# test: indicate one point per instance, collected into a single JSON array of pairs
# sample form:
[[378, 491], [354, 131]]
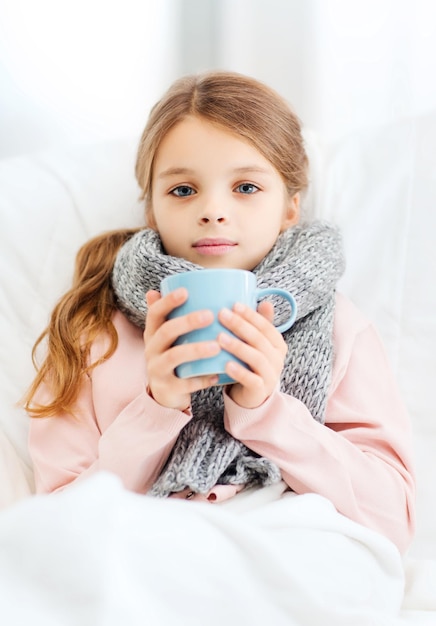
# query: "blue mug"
[[215, 289]]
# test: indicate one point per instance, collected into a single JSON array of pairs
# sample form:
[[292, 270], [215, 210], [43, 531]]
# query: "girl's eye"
[[183, 191], [246, 188]]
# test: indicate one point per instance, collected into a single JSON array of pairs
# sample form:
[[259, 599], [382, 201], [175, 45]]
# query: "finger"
[[165, 335], [196, 383], [243, 376], [266, 309], [152, 296], [174, 392], [160, 307], [186, 353], [251, 327], [261, 321], [260, 362]]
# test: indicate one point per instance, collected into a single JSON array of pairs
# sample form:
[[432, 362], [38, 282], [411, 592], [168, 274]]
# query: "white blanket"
[[96, 554]]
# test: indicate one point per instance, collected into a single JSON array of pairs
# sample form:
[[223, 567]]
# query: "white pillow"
[[380, 187], [49, 205]]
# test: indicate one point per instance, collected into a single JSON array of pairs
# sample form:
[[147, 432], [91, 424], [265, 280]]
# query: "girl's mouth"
[[214, 247]]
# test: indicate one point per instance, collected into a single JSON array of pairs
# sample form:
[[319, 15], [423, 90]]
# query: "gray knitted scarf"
[[306, 260]]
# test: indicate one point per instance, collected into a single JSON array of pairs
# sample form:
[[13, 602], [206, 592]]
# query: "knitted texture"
[[307, 260]]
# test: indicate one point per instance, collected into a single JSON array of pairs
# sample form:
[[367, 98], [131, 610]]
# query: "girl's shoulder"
[[124, 327], [129, 337], [348, 316], [351, 329]]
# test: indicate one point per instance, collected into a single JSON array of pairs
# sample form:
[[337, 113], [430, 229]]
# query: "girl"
[[222, 166]]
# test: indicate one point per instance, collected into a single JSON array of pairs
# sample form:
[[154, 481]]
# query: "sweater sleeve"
[[361, 458], [116, 426]]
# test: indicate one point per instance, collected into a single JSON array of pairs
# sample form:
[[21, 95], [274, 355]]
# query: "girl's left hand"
[[258, 344]]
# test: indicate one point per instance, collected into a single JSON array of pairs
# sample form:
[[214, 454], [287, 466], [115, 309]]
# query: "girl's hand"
[[258, 344], [162, 357]]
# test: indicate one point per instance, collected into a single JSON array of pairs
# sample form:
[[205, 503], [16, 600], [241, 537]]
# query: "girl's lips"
[[214, 247]]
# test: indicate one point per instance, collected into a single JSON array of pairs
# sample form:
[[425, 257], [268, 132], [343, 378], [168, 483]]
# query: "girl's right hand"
[[162, 357]]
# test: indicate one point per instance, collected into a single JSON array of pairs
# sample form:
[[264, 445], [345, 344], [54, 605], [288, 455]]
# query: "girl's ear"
[[292, 212]]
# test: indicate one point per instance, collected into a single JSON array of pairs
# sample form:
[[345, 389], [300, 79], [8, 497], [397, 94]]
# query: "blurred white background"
[[81, 70]]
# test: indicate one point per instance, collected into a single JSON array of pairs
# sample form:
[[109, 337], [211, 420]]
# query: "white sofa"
[[378, 185]]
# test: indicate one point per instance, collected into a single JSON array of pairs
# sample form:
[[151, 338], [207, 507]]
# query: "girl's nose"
[[212, 213], [219, 219]]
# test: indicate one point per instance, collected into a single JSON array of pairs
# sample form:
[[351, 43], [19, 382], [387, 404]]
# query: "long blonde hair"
[[232, 101]]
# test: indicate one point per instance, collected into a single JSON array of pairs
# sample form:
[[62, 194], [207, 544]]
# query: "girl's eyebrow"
[[176, 171], [244, 169]]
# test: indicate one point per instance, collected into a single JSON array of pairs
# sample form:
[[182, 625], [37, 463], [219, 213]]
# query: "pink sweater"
[[360, 460]]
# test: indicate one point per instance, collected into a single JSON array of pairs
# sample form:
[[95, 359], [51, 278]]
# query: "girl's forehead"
[[195, 138], [200, 126]]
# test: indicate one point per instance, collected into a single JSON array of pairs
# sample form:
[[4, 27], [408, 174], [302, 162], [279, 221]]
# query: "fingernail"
[[239, 308], [226, 314], [213, 346], [205, 316], [232, 367], [179, 292], [224, 339]]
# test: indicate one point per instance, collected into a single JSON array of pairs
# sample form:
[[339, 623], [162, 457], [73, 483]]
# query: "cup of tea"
[[215, 289]]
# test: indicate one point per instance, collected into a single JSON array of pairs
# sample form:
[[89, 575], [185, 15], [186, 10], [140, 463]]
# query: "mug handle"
[[274, 291]]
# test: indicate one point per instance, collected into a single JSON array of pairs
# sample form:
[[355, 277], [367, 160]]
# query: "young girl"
[[222, 165]]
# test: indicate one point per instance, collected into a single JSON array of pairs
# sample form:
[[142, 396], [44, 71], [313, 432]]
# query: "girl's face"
[[217, 201]]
